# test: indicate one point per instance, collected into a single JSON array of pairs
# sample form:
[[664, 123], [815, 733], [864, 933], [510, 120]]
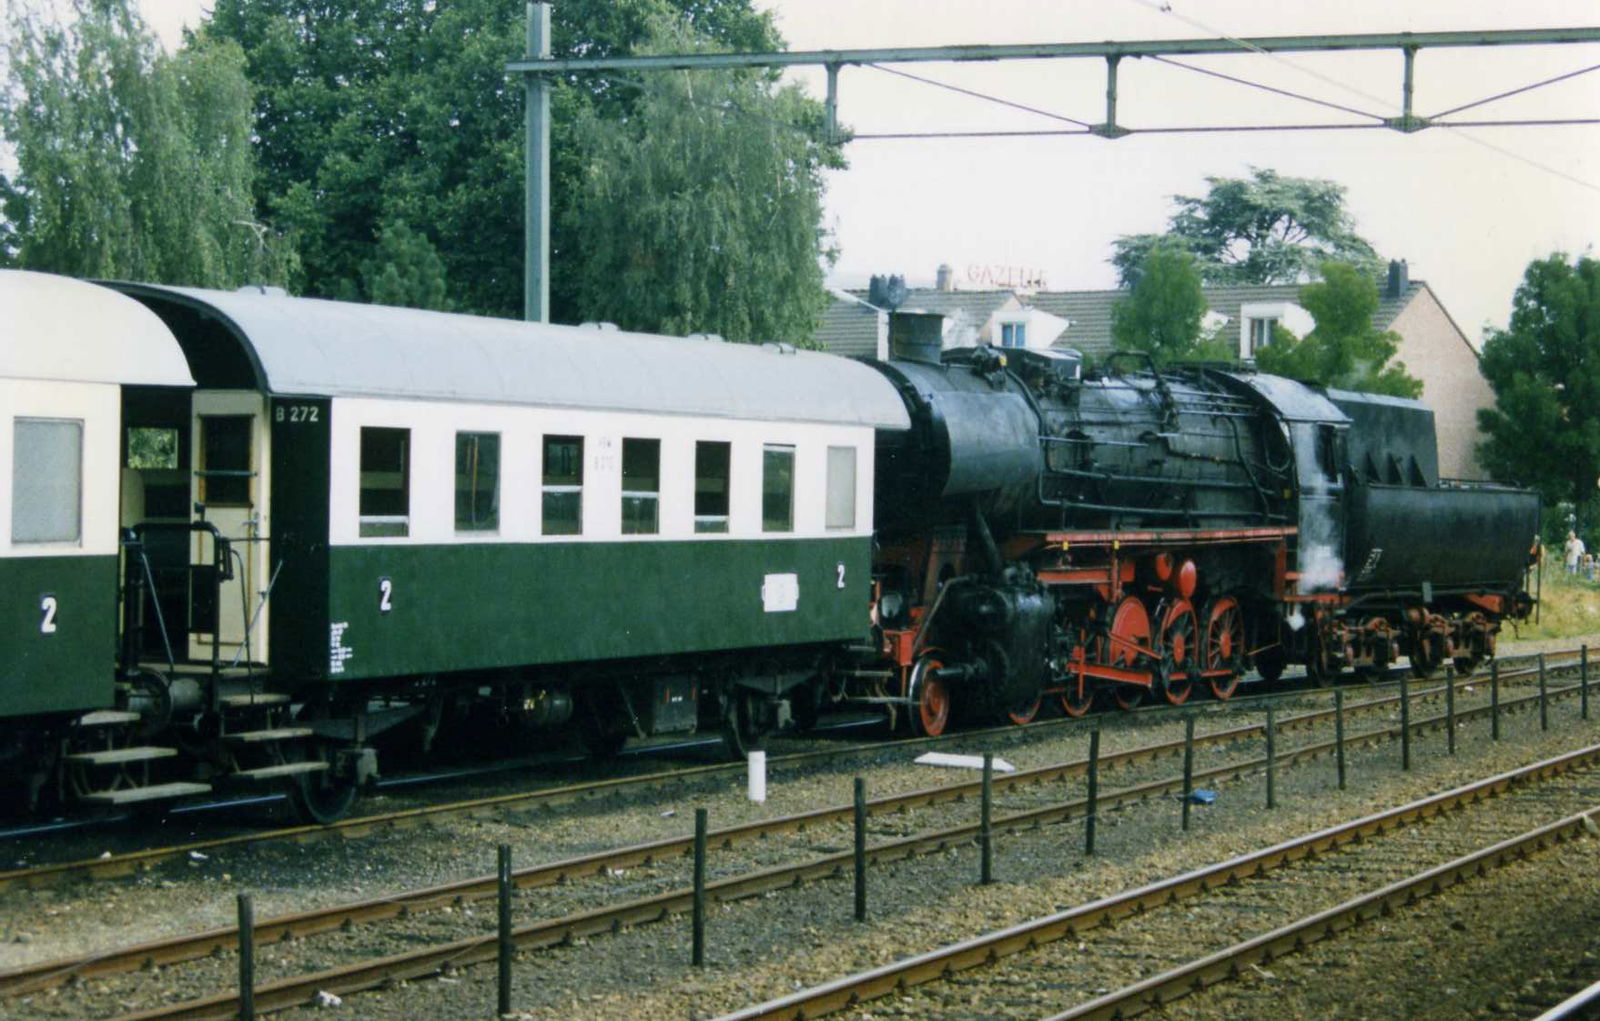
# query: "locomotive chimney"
[[916, 336], [945, 278], [1399, 278]]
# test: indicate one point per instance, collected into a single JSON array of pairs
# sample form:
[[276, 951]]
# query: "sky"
[[1468, 209]]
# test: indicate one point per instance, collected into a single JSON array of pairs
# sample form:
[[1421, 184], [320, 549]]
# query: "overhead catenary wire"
[[997, 100], [1517, 91]]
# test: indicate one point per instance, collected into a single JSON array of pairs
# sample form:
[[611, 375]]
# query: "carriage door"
[[230, 493]]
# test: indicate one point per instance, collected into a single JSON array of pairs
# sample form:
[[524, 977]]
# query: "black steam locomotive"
[[1046, 532]]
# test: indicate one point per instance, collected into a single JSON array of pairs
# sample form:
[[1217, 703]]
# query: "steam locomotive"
[[248, 539]]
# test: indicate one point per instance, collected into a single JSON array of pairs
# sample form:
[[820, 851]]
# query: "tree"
[[370, 111], [1344, 349], [1266, 229], [1544, 430], [701, 210], [131, 163], [1163, 312], [406, 270]]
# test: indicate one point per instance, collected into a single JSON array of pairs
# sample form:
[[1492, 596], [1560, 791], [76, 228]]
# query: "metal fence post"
[[698, 954], [985, 820], [861, 849], [1338, 733], [506, 949], [1494, 700], [1091, 807], [1188, 767], [247, 959], [1450, 714], [1544, 699], [1272, 760], [1405, 723]]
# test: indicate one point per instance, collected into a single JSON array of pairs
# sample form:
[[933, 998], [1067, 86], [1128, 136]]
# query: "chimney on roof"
[[888, 292], [945, 278], [1399, 278]]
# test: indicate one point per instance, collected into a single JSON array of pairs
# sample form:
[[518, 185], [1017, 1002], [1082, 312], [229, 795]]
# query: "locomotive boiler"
[[1047, 530]]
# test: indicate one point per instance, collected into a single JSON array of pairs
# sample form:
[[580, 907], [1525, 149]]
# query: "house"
[[1432, 346]]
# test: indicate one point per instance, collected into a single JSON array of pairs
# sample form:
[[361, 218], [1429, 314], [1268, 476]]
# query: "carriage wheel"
[[1179, 652], [1224, 645], [930, 710]]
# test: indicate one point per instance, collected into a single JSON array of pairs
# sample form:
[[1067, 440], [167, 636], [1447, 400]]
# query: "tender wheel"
[[1178, 652], [1224, 645], [1427, 655], [930, 708]]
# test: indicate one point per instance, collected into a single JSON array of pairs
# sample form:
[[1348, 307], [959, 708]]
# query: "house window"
[[711, 486], [841, 487], [641, 487], [385, 504], [477, 482], [563, 485], [1013, 334], [1261, 333], [777, 489], [47, 480]]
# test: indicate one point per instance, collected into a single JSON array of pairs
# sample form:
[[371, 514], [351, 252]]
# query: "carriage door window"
[[777, 489], [477, 482], [385, 482], [841, 487], [563, 485], [711, 486], [641, 487], [47, 480], [225, 462]]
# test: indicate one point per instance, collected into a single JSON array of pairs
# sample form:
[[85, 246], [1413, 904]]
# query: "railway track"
[[652, 908], [1366, 867], [116, 865]]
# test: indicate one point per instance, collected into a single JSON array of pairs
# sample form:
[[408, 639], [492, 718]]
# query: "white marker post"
[[758, 777]]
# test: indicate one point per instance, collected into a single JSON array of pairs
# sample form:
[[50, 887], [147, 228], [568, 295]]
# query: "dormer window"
[[1261, 332], [1013, 334]]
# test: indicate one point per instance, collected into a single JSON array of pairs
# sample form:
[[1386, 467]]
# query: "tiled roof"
[[1087, 312]]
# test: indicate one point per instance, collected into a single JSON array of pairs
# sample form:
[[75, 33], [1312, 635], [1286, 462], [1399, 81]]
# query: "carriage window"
[[563, 485], [777, 489], [47, 480], [711, 486], [385, 481], [225, 461], [841, 487], [477, 482], [641, 487], [152, 447]]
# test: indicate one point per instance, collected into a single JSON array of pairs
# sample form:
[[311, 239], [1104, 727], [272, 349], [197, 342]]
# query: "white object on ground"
[[758, 776], [962, 761]]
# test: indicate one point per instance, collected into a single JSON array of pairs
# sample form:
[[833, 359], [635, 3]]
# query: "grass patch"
[[1569, 606]]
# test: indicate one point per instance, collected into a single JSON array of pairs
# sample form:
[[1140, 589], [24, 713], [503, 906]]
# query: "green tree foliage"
[[405, 270], [372, 111], [701, 209], [1267, 229], [1162, 314], [130, 163], [1544, 430], [1344, 349]]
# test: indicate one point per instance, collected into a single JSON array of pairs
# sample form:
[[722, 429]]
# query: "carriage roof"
[[58, 328]]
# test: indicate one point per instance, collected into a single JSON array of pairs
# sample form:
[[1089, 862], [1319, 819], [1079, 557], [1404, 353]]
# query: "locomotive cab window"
[[47, 480], [563, 485], [841, 487], [385, 482], [711, 461], [477, 482], [641, 487], [226, 465], [777, 488]]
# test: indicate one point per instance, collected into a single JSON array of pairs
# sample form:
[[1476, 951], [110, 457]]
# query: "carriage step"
[[252, 700], [119, 756], [155, 792], [278, 772], [263, 736], [107, 718]]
